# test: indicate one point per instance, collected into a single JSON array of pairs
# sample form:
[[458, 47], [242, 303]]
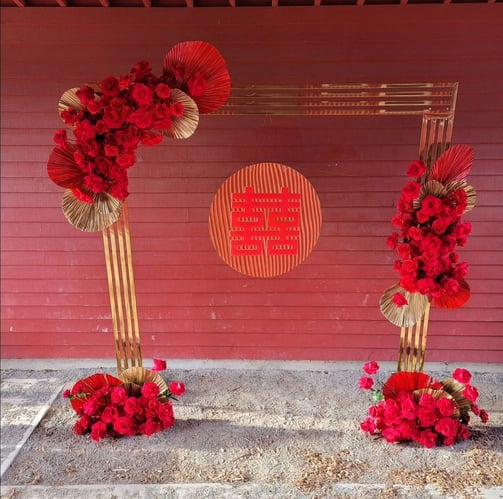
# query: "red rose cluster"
[[429, 229], [425, 412], [113, 411], [113, 119]]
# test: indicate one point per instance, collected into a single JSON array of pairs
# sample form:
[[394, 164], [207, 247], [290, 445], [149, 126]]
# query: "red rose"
[[112, 118], [408, 409], [177, 109], [98, 430], [416, 168], [111, 150], [371, 367], [445, 406], [124, 425], [471, 393], [411, 191], [365, 383], [109, 414], [150, 390], [110, 86], [85, 94], [159, 365], [447, 427], [95, 106], [165, 414], [150, 427], [177, 388], [428, 401], [426, 417], [462, 375], [126, 160], [484, 416], [132, 406], [142, 94], [142, 118], [399, 300], [392, 240], [368, 426], [84, 131], [150, 138], [428, 439], [82, 425], [163, 91], [118, 395], [392, 435]]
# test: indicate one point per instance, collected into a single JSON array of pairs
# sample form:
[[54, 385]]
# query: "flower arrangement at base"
[[414, 407], [138, 402]]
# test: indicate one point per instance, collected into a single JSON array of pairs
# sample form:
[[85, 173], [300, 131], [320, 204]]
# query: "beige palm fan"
[[430, 187], [104, 211], [69, 99], [135, 377], [456, 389], [471, 194], [184, 126], [191, 60], [406, 315]]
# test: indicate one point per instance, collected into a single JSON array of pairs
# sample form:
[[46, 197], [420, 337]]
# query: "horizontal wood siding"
[[192, 305]]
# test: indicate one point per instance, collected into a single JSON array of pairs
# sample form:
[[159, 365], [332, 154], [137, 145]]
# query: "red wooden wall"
[[191, 305]]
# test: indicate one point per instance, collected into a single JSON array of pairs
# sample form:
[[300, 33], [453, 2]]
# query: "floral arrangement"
[[136, 403], [111, 119], [413, 406], [429, 228]]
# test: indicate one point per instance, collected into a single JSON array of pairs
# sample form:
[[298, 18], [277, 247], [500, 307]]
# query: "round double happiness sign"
[[265, 220]]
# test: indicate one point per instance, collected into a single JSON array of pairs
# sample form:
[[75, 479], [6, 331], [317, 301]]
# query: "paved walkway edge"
[[183, 490], [34, 423]]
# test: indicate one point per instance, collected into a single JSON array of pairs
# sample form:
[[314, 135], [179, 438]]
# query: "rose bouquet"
[[112, 118], [136, 403], [413, 406], [428, 230]]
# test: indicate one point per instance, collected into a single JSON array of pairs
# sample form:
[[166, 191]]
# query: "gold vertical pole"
[[119, 263]]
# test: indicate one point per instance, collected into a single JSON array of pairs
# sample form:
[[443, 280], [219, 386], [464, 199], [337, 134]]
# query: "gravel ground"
[[244, 433]]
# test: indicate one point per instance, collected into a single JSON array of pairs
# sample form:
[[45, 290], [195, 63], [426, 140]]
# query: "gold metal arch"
[[435, 102]]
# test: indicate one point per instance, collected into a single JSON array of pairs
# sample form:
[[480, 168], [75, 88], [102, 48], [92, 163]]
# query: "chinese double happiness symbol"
[[265, 220]]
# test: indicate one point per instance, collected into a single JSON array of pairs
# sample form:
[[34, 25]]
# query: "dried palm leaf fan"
[[454, 301], [454, 164], [190, 60], [62, 168], [471, 194], [84, 388], [430, 187], [69, 99], [104, 211], [135, 377], [406, 315], [456, 389], [408, 381], [184, 126]]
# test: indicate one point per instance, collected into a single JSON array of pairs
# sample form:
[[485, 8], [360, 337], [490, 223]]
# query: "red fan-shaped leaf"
[[198, 69], [408, 381], [454, 301], [62, 168], [453, 164], [85, 387]]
